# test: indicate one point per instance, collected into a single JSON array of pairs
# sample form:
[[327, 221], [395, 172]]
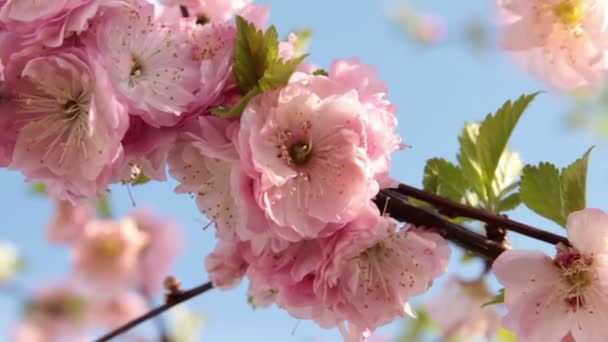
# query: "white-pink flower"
[[163, 243], [562, 41], [117, 310], [51, 22], [107, 257], [225, 265], [209, 10], [68, 221], [64, 120], [151, 64], [459, 310], [548, 299], [307, 156]]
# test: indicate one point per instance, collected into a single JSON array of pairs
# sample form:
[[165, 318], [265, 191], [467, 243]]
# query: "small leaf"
[[469, 162], [303, 40], [498, 299], [495, 131], [253, 52], [540, 190], [278, 73], [238, 108], [574, 184], [38, 189], [320, 72], [509, 203], [444, 179]]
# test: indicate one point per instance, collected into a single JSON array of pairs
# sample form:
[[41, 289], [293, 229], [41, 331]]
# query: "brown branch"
[[398, 208], [172, 300], [455, 209]]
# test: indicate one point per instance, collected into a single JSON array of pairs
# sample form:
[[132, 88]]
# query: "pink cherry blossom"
[[67, 122], [209, 10], [115, 311], [158, 255], [59, 312], [51, 22], [225, 265], [308, 159], [459, 310], [146, 149], [372, 269], [108, 254], [547, 299], [561, 41], [150, 64], [204, 162], [68, 221]]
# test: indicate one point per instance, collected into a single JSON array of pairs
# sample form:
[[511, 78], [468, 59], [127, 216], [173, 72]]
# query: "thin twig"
[[455, 209], [172, 301]]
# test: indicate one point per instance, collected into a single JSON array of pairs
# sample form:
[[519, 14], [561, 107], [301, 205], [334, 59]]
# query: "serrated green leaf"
[[540, 190], [278, 73], [254, 51], [238, 108], [498, 299], [469, 162], [444, 179], [508, 170], [320, 72], [303, 40], [508, 203], [495, 131], [574, 184]]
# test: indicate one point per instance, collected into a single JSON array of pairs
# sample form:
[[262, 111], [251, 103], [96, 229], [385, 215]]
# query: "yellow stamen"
[[569, 12]]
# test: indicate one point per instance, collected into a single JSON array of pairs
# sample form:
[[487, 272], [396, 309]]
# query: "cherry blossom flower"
[[225, 265], [150, 64], [308, 159], [204, 161], [67, 122], [209, 10], [115, 311], [562, 41], [372, 269], [159, 253], [108, 254], [547, 299], [459, 310], [51, 22], [68, 221]]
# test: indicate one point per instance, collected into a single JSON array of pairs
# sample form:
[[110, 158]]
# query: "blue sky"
[[436, 90]]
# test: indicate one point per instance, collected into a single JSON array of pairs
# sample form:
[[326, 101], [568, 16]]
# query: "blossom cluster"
[[564, 42], [97, 92], [117, 267]]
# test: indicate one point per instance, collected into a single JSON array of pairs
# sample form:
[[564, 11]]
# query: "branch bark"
[[455, 209]]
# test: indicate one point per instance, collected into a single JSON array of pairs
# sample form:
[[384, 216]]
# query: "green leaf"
[[278, 73], [320, 72], [498, 299], [540, 190], [469, 162], [494, 134], [509, 203], [303, 40], [444, 179], [103, 207], [238, 108], [508, 170], [38, 189], [574, 184], [416, 327], [254, 51]]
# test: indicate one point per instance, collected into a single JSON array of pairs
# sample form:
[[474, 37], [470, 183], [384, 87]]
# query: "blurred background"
[[443, 69]]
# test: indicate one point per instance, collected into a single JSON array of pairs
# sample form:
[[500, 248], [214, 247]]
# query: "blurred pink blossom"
[[68, 221]]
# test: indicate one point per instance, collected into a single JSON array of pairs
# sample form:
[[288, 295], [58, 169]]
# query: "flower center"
[[108, 248], [201, 19], [71, 109], [578, 274], [137, 67], [569, 12], [300, 152]]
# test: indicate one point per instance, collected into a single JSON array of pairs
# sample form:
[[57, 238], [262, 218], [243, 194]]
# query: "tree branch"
[[455, 209], [172, 300], [398, 208]]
